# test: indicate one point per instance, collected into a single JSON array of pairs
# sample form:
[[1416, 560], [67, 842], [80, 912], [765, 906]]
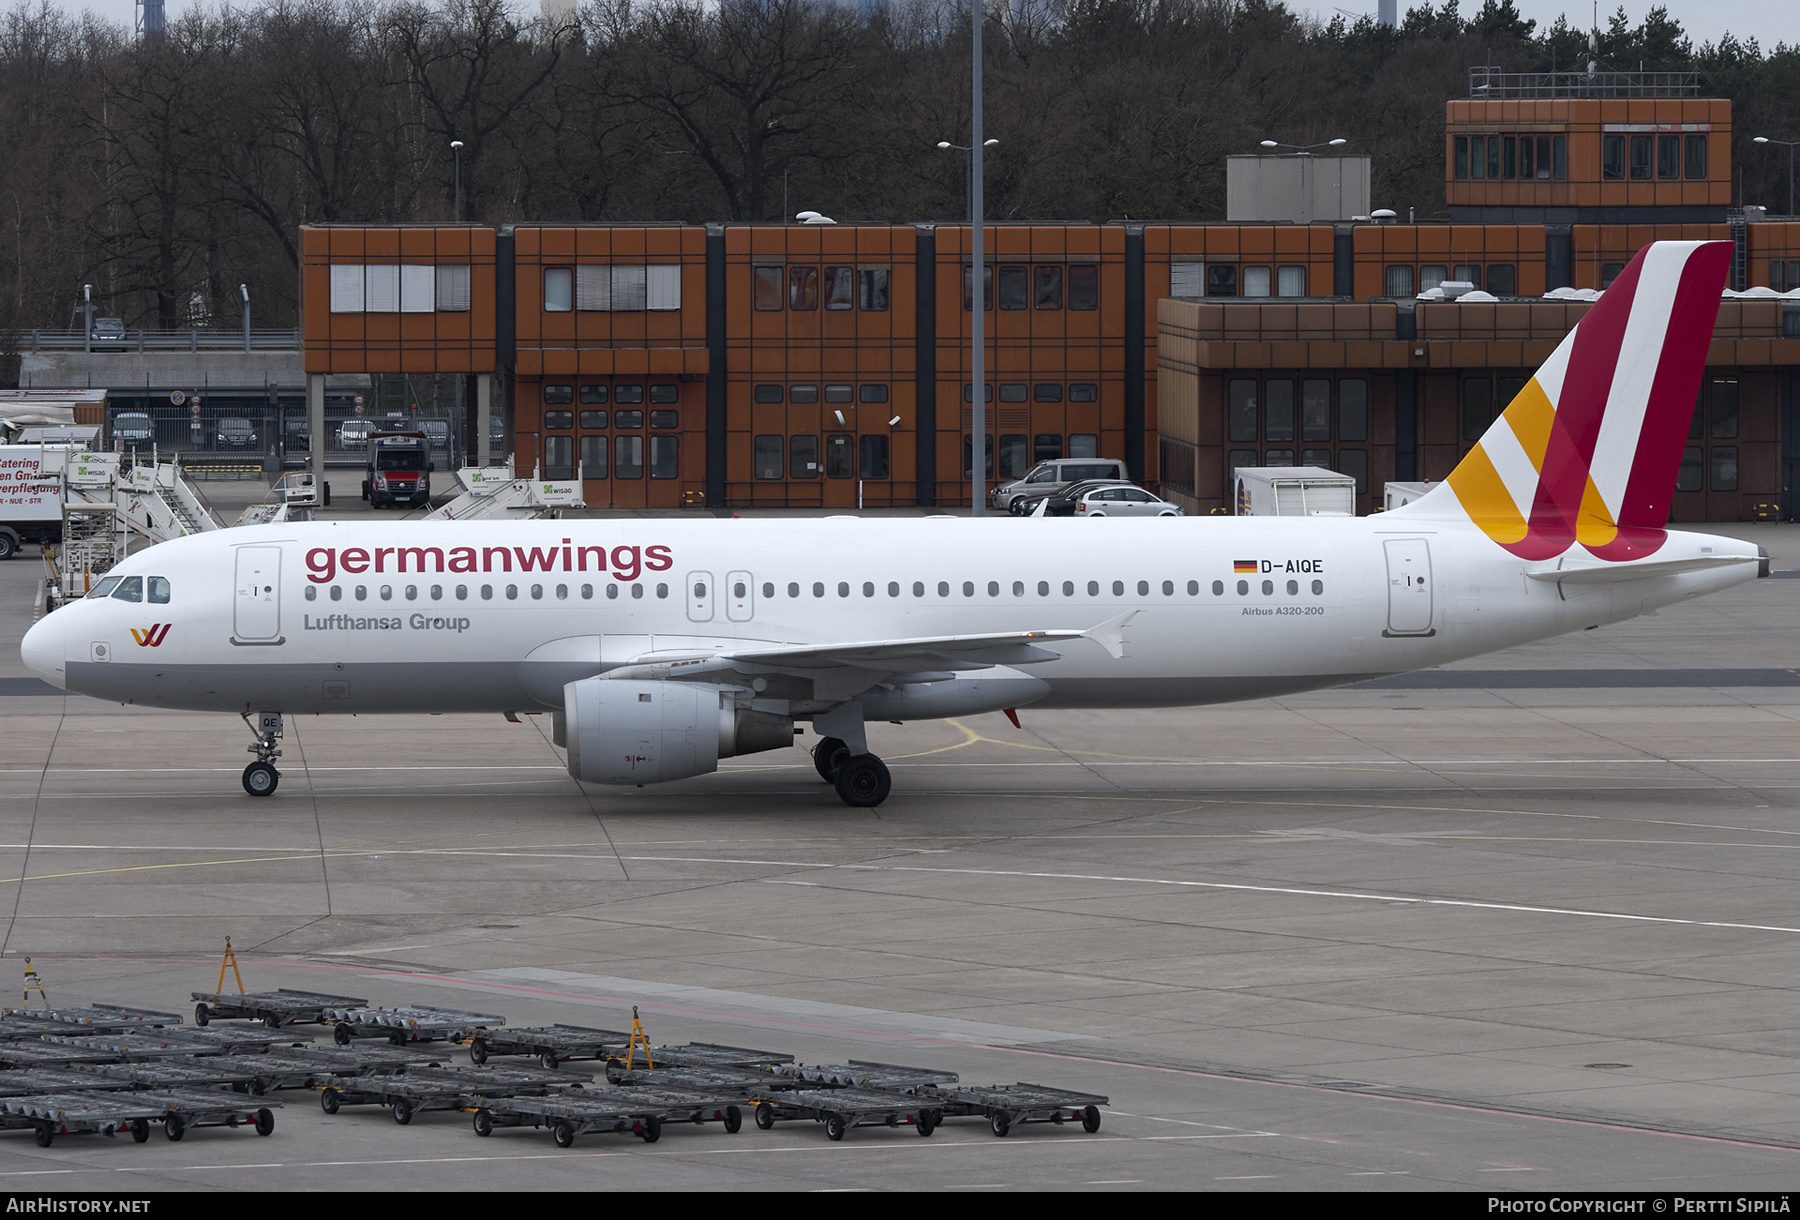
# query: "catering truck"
[[30, 503]]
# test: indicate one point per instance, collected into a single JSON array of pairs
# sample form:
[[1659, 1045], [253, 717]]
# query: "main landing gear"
[[862, 780], [261, 777]]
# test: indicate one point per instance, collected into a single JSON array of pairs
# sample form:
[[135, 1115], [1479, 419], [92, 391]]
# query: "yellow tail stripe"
[[1482, 492], [1594, 525], [1530, 416]]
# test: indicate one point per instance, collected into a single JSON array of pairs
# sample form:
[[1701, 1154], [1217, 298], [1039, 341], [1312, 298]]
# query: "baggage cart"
[[185, 1109], [549, 1044], [408, 1023], [107, 1017], [710, 1054], [76, 1113], [273, 1008], [640, 1111], [843, 1108], [1006, 1106], [442, 1089], [865, 1074]]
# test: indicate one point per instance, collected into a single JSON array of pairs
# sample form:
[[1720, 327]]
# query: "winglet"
[[1110, 635]]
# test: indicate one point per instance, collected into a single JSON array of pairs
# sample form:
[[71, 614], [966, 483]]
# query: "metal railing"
[[1493, 82], [191, 339]]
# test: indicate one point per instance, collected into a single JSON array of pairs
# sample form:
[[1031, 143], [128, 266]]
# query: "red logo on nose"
[[152, 637]]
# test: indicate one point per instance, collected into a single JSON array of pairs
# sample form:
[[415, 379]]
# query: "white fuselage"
[[339, 617]]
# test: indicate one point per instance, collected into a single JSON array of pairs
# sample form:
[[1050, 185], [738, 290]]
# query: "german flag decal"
[[1244, 565]]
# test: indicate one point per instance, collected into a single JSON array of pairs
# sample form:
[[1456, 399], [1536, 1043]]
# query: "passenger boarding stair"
[[492, 493]]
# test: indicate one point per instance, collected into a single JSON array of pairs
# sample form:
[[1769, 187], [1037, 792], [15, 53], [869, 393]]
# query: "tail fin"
[[1589, 450]]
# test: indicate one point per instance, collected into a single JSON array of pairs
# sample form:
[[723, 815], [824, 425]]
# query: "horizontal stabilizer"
[[1612, 573]]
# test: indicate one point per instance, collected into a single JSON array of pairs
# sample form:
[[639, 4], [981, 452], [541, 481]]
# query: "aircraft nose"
[[42, 650]]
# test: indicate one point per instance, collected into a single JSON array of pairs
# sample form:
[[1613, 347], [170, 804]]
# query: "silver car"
[[1020, 496], [1111, 500]]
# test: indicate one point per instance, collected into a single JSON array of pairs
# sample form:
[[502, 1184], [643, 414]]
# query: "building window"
[[559, 419], [593, 287], [1526, 160], [1696, 156], [593, 457], [1692, 473], [1084, 286], [559, 289], [662, 288], [767, 393], [766, 285], [969, 392], [1047, 391], [1467, 273], [1668, 156], [803, 393], [1083, 391], [1046, 283], [1278, 410], [1353, 410], [840, 393], [1399, 281], [1610, 272], [1240, 411], [840, 287], [1501, 279], [453, 287], [1724, 411], [1724, 468], [839, 456], [1431, 275], [1290, 282], [1256, 281], [1187, 279], [1478, 156], [766, 457], [1462, 157], [593, 419], [1012, 391], [872, 291], [872, 392], [628, 457], [1014, 288], [594, 394], [1355, 463], [987, 456], [1509, 157], [1221, 280], [1084, 445], [1315, 410], [1477, 407], [1560, 155], [628, 393], [665, 392], [987, 288], [1612, 158], [557, 395], [803, 288], [559, 457], [1046, 447], [803, 457], [628, 419], [665, 457], [1012, 456], [1640, 158], [665, 419], [872, 456]]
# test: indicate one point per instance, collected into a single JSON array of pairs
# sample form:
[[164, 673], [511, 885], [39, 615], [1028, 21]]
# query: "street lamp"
[[977, 297], [1304, 150], [244, 291], [968, 162], [1789, 144], [456, 147], [87, 313]]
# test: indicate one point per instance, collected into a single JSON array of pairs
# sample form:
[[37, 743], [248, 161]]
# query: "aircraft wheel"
[[828, 758], [863, 781], [260, 779]]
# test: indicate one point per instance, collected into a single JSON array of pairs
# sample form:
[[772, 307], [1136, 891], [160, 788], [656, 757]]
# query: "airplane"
[[660, 647]]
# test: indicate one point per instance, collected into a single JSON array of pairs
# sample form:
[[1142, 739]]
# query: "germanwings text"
[[323, 563]]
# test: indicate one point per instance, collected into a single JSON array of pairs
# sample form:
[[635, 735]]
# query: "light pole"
[[87, 314], [1790, 147], [456, 147], [968, 163], [977, 285], [244, 291], [1304, 150]]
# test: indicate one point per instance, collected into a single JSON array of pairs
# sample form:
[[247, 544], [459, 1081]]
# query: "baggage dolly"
[[273, 1008], [843, 1108], [574, 1113], [186, 1109], [76, 1113], [549, 1044], [442, 1089], [705, 1055], [865, 1074], [307, 1067], [1005, 1106], [408, 1023], [208, 1073], [107, 1017]]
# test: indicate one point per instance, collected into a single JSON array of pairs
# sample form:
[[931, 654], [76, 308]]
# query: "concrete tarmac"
[[1526, 922]]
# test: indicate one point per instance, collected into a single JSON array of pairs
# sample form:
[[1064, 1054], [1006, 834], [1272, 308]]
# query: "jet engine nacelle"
[[620, 731]]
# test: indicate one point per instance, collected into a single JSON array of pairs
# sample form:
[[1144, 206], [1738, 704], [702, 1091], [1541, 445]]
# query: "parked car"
[[108, 330], [1109, 499], [235, 432], [1021, 495], [437, 431], [133, 428], [298, 440], [354, 433]]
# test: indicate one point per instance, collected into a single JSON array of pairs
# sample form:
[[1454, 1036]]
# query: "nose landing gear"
[[261, 777]]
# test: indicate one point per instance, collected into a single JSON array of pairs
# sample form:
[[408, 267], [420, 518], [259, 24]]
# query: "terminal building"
[[827, 366]]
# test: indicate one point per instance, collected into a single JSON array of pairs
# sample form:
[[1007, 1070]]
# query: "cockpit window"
[[131, 589], [159, 589], [105, 587]]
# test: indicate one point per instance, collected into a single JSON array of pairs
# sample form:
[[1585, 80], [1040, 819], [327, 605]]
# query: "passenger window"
[[1118, 588], [131, 590], [968, 588]]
